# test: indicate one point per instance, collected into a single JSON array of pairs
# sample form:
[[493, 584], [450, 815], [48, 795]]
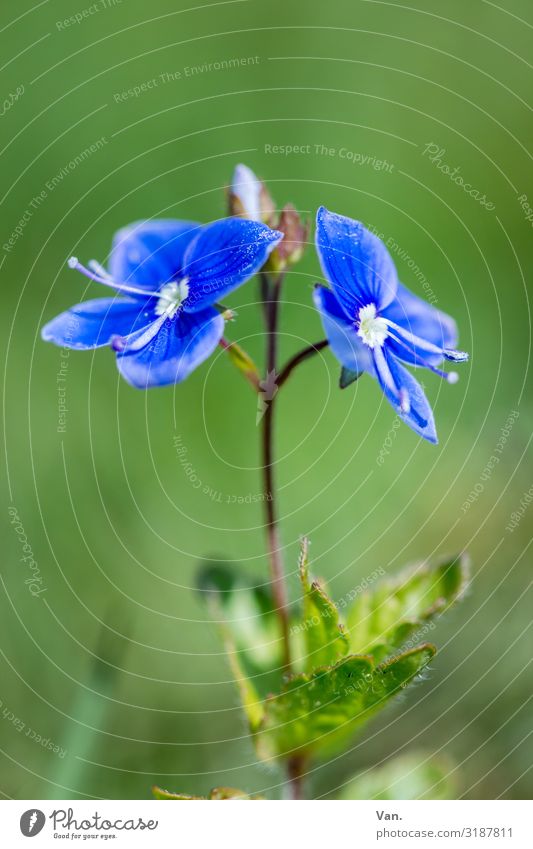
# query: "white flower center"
[[372, 329], [171, 297]]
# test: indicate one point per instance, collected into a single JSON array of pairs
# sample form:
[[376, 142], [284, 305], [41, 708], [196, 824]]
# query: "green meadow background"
[[112, 677]]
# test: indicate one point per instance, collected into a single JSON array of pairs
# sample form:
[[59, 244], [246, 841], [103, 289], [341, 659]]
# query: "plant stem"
[[273, 541], [299, 358], [271, 293], [270, 501], [264, 292], [295, 774]]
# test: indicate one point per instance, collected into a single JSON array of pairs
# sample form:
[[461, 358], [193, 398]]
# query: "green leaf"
[[320, 710], [395, 614], [229, 793], [248, 611], [414, 776], [220, 586], [324, 639], [348, 377], [251, 702], [159, 793], [216, 578], [218, 793]]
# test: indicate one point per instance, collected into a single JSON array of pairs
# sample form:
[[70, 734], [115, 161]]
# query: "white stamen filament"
[[424, 345], [452, 376], [107, 280], [122, 345], [99, 269]]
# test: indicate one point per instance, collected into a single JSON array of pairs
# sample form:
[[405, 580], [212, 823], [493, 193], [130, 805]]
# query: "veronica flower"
[[372, 322], [167, 276]]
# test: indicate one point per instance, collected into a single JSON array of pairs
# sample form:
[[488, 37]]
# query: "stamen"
[[139, 338], [451, 377], [448, 353], [75, 264], [108, 281], [455, 356], [99, 269]]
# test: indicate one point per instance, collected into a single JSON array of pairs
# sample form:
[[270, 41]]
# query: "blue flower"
[[170, 274], [372, 321]]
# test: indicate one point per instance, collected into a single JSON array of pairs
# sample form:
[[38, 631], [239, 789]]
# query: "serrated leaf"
[[393, 614], [218, 793], [320, 710], [347, 377], [324, 639], [414, 776], [159, 793]]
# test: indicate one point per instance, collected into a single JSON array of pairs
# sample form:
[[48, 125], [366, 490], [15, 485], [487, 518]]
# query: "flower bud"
[[295, 235], [248, 196]]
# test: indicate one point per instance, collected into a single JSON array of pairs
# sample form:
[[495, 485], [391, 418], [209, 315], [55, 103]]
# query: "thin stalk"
[[295, 775], [279, 590], [264, 294], [271, 293], [299, 358], [272, 534]]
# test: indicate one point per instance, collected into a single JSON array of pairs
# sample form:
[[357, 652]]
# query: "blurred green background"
[[115, 663]]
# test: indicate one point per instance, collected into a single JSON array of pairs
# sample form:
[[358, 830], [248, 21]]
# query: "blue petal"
[[223, 256], [150, 253], [181, 344], [420, 319], [94, 323], [420, 416], [342, 336], [356, 263]]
